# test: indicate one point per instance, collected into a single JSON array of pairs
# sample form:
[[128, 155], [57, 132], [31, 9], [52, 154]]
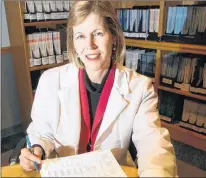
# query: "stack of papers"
[[93, 164]]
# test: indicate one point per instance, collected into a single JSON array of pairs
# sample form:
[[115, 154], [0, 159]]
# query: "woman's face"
[[93, 42]]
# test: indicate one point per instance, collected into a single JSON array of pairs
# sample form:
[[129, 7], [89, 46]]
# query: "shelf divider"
[[53, 22], [47, 66], [169, 46], [180, 92]]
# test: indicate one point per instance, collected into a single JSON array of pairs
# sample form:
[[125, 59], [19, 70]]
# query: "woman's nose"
[[90, 43]]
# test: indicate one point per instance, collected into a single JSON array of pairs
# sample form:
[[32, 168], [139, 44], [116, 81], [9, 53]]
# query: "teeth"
[[93, 56]]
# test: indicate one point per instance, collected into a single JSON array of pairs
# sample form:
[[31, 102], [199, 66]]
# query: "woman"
[[96, 103]]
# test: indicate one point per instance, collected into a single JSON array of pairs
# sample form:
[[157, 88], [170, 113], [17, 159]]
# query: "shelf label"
[[26, 16], [31, 62], [51, 59], [193, 89], [45, 60], [37, 62], [135, 35], [65, 56], [40, 16], [200, 120], [47, 16], [33, 17], [201, 90], [168, 81], [185, 87], [203, 130], [177, 85], [59, 58], [165, 118]]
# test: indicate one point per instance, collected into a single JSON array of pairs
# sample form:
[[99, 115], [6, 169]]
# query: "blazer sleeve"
[[155, 153], [45, 112]]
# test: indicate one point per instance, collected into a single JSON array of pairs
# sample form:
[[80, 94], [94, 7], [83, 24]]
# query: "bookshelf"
[[177, 133], [20, 53], [22, 69], [53, 22]]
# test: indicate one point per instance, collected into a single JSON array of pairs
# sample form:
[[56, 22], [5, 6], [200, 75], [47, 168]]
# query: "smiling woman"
[[93, 43], [95, 103]]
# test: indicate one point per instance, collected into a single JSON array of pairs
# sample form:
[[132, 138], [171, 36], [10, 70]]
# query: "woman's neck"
[[97, 76]]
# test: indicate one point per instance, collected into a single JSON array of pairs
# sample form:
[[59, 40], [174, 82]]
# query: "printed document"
[[92, 164]]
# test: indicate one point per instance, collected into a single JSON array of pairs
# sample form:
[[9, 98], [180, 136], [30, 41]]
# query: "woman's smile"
[[92, 57]]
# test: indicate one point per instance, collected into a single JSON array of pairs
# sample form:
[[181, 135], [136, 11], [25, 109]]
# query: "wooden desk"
[[17, 171]]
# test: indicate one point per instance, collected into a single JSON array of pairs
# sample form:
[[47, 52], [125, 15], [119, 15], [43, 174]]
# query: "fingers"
[[27, 159], [38, 153], [26, 164]]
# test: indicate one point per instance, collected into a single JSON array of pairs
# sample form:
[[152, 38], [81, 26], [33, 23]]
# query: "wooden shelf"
[[186, 136], [47, 66], [169, 46], [53, 22], [180, 92]]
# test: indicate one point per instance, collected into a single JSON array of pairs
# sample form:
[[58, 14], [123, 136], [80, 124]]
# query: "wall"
[[5, 35], [10, 114]]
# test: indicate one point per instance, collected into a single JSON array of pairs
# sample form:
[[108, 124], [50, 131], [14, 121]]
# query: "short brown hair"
[[79, 11]]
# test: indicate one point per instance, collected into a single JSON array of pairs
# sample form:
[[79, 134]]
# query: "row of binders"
[[184, 71], [45, 48], [170, 107], [46, 10], [187, 113], [139, 22], [141, 60], [194, 116], [186, 20]]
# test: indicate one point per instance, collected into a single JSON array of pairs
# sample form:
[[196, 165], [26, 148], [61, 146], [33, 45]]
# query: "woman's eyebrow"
[[97, 30], [91, 32], [77, 33]]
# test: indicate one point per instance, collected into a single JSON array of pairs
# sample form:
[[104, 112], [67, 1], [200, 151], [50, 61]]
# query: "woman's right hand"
[[27, 159]]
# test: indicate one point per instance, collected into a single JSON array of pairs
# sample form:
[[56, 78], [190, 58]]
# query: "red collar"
[[86, 131]]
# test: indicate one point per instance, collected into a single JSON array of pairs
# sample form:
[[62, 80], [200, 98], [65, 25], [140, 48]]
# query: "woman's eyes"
[[80, 37], [96, 34]]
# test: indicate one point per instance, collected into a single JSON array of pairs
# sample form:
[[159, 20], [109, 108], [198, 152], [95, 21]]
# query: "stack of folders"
[[139, 23], [46, 10], [45, 48], [186, 22], [170, 107], [185, 72], [194, 116], [141, 61]]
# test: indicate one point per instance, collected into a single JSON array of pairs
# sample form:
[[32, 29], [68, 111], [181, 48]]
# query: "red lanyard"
[[86, 131]]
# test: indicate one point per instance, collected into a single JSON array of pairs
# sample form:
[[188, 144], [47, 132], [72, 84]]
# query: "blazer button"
[[89, 146]]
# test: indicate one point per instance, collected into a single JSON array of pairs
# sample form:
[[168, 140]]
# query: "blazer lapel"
[[116, 104], [70, 123]]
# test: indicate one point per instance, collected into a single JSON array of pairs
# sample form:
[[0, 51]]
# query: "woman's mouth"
[[93, 56]]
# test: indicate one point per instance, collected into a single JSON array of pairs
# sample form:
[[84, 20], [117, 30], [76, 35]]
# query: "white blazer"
[[131, 111]]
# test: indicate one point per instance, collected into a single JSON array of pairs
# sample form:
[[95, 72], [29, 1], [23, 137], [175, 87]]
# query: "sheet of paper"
[[93, 164]]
